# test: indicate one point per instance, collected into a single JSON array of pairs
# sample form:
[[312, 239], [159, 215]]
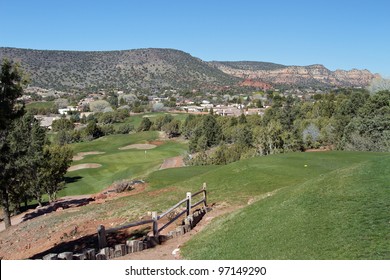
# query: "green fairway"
[[40, 105], [335, 208], [117, 164]]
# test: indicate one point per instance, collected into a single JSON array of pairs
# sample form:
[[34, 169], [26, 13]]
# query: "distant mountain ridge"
[[248, 65], [158, 68], [312, 75], [140, 68]]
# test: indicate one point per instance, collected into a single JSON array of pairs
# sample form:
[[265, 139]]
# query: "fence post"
[[189, 203], [204, 194], [102, 240], [155, 224]]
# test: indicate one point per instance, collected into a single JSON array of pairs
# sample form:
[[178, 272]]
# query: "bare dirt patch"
[[156, 142], [106, 194], [173, 162], [81, 155], [35, 233], [84, 166], [139, 147], [320, 149]]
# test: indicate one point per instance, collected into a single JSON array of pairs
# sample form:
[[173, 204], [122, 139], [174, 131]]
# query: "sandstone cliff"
[[313, 75]]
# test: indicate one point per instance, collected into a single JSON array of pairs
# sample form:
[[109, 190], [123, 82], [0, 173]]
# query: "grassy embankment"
[[336, 208]]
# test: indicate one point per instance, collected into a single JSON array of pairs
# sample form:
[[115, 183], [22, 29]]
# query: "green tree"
[[172, 129], [145, 125], [62, 124], [11, 87], [92, 131], [26, 141], [161, 121], [220, 155], [113, 100], [190, 123], [56, 161], [100, 106], [63, 137], [243, 135], [242, 119], [202, 143], [211, 129], [369, 130], [268, 139], [259, 104], [124, 128]]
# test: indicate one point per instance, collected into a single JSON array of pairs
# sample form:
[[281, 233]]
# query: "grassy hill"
[[335, 208]]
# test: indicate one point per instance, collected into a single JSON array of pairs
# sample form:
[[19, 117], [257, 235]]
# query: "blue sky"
[[338, 34]]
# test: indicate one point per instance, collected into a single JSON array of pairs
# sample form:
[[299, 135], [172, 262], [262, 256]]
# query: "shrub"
[[124, 128], [122, 186]]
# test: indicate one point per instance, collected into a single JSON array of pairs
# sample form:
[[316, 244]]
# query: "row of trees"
[[95, 126], [164, 123], [29, 165], [346, 120]]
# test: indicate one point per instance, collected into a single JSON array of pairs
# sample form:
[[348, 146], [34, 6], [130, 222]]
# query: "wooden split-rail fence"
[[188, 201]]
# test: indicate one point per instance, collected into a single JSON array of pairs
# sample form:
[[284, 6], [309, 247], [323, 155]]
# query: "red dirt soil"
[[173, 162]]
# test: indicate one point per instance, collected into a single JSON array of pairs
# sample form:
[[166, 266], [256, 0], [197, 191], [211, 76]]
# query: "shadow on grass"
[[73, 179], [54, 206]]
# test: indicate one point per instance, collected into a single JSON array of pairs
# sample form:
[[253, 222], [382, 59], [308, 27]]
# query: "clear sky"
[[338, 34]]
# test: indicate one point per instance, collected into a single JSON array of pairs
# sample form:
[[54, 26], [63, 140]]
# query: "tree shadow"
[[74, 179], [56, 205]]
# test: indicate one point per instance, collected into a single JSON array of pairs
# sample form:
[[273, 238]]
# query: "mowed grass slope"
[[238, 182], [335, 208], [117, 164]]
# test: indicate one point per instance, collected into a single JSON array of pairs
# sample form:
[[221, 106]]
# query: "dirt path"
[[170, 250], [173, 162]]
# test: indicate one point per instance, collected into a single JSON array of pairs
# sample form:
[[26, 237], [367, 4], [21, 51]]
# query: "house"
[[65, 111], [193, 109], [46, 121]]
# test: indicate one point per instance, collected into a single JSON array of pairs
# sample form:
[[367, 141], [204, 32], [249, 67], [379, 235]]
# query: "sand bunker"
[[139, 147], [84, 166], [81, 155]]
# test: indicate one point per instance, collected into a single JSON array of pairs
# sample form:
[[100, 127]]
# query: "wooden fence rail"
[[102, 232]]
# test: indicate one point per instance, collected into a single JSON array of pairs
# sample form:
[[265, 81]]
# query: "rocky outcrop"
[[256, 84], [313, 75]]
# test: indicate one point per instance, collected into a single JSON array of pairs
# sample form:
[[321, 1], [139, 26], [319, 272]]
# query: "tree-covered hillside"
[[141, 68]]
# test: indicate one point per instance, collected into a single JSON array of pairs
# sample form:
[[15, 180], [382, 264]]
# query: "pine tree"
[[10, 89]]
